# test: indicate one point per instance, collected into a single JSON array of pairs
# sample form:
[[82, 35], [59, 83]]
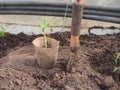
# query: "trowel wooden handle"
[[79, 1], [74, 41], [77, 13]]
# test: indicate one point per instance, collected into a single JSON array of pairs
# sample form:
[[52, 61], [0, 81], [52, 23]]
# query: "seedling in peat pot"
[[2, 32], [45, 44], [43, 27], [117, 62]]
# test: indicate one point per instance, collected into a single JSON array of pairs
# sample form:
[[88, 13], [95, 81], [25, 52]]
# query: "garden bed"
[[92, 71]]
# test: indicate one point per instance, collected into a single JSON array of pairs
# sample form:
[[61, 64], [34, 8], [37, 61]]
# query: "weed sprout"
[[2, 32], [117, 62]]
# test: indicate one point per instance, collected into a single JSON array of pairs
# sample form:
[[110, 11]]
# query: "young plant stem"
[[45, 38]]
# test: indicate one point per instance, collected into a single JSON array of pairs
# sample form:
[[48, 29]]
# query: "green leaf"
[[2, 32], [117, 57], [44, 25]]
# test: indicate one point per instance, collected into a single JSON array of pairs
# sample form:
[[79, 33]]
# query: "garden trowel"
[[77, 13]]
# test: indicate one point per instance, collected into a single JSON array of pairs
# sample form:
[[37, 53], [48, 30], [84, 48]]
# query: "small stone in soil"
[[108, 81]]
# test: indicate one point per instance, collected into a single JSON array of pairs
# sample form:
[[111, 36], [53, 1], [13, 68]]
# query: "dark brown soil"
[[10, 41], [93, 69]]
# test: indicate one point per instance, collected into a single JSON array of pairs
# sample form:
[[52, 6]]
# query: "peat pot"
[[46, 57]]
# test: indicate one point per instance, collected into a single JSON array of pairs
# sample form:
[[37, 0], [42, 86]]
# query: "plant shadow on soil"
[[92, 70]]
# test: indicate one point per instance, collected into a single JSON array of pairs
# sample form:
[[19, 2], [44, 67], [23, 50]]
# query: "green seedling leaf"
[[2, 32], [44, 25], [115, 69], [117, 58]]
